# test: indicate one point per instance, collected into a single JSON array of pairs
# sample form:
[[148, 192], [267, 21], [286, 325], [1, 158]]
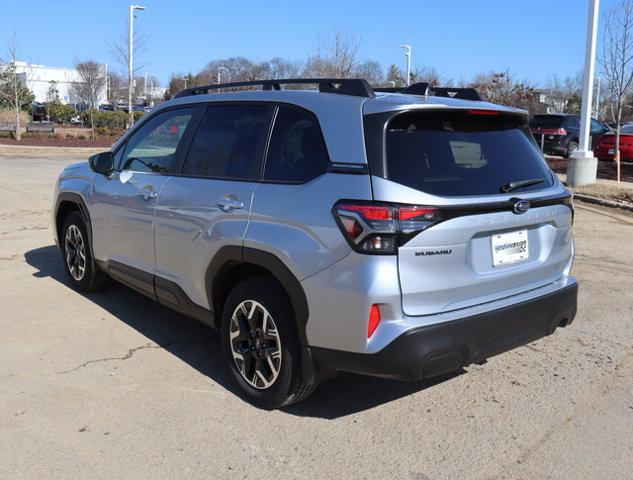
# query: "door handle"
[[227, 204], [147, 194]]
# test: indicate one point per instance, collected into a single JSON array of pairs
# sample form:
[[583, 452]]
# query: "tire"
[[571, 146], [83, 272], [264, 343]]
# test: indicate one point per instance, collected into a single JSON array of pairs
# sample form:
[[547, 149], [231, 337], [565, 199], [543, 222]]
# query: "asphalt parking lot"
[[111, 385]]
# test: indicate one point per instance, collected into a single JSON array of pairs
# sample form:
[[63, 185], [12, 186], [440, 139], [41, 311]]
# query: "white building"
[[38, 79]]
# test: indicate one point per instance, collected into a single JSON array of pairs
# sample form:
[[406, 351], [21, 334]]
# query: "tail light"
[[379, 228], [549, 131]]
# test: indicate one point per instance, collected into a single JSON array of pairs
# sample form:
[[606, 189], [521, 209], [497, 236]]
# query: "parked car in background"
[[39, 111], [558, 134], [106, 107], [605, 150]]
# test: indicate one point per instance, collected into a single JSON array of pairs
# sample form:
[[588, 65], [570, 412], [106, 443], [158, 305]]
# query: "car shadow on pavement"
[[199, 346]]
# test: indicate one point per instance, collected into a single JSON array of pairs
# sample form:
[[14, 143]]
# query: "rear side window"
[[229, 142], [459, 154], [297, 151]]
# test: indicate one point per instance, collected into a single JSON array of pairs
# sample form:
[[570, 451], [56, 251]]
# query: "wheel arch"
[[232, 264], [66, 203]]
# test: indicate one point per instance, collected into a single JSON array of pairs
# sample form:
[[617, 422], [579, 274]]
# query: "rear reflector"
[[374, 320]]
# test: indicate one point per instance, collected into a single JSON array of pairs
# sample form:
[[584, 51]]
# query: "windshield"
[[459, 154]]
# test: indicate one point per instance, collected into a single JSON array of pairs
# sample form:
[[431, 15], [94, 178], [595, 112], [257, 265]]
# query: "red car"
[[606, 145]]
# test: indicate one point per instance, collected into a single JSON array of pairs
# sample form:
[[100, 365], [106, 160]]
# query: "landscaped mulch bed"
[[45, 141], [606, 170], [606, 192]]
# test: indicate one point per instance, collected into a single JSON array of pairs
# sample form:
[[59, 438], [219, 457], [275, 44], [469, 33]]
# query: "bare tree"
[[13, 90], [91, 84], [335, 57], [429, 75], [371, 71], [280, 68], [564, 95], [617, 63], [90, 87], [120, 52], [119, 49], [501, 87]]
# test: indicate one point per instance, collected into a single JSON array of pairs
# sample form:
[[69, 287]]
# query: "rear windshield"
[[546, 121], [457, 154]]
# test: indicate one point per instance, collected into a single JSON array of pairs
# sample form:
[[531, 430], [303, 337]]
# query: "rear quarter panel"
[[295, 222]]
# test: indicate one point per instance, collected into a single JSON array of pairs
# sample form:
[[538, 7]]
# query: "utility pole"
[[130, 62], [407, 54], [583, 166]]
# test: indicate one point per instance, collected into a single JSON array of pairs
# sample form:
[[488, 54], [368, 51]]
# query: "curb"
[[37, 151], [604, 203]]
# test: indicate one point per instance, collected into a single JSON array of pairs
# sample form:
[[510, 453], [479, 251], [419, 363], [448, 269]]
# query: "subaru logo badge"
[[521, 206]]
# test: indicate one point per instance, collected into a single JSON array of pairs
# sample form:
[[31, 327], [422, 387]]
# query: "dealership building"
[[38, 79]]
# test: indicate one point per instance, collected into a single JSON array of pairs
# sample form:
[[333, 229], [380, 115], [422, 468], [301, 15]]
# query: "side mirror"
[[102, 163]]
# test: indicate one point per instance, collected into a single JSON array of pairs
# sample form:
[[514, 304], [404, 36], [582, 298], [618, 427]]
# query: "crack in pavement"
[[130, 353]]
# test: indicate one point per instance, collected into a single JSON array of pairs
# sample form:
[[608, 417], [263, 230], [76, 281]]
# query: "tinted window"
[[573, 122], [547, 121], [229, 142], [596, 126], [153, 147], [455, 154], [297, 151]]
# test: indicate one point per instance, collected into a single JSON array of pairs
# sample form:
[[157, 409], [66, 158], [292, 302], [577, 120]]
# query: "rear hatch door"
[[491, 239]]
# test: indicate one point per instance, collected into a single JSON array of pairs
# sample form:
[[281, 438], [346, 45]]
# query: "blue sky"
[[531, 38]]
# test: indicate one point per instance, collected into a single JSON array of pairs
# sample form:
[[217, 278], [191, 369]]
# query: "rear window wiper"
[[509, 187]]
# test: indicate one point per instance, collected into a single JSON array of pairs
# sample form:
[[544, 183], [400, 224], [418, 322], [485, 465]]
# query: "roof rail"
[[423, 88], [357, 87]]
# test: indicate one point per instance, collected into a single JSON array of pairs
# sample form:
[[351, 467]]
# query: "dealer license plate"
[[510, 247]]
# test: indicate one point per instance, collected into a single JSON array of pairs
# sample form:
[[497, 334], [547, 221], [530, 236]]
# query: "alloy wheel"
[[255, 344], [75, 248]]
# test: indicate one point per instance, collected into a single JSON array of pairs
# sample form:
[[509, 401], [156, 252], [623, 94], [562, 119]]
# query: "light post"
[[219, 76], [583, 165], [130, 62], [407, 54], [598, 99]]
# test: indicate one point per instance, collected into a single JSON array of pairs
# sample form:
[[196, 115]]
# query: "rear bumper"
[[432, 350]]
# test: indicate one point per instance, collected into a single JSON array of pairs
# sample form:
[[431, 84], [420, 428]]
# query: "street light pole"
[[219, 76], [408, 55], [583, 165], [598, 98], [130, 62]]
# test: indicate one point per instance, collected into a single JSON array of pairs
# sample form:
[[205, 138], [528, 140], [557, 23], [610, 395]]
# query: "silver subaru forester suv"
[[396, 233]]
